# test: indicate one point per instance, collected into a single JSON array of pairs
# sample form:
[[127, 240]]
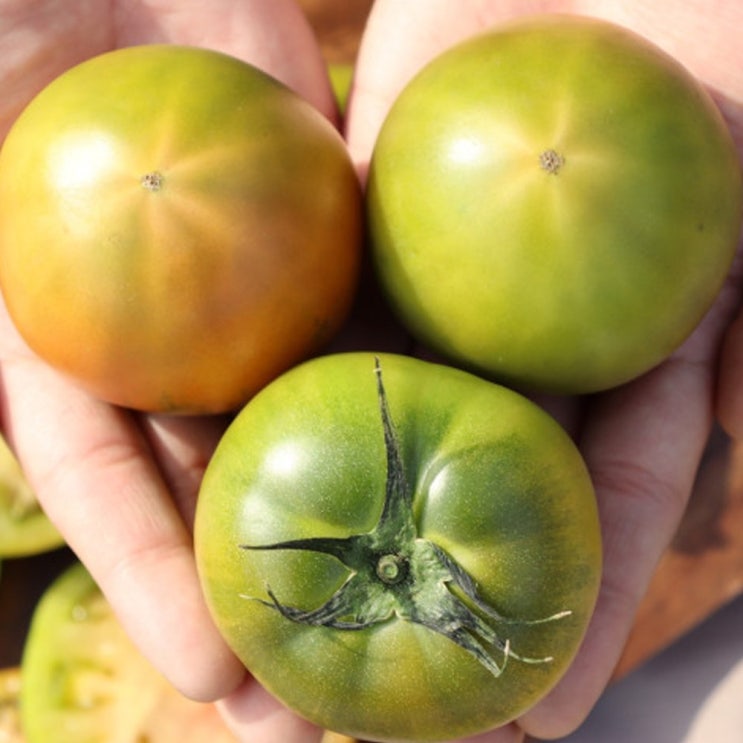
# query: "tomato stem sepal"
[[393, 572]]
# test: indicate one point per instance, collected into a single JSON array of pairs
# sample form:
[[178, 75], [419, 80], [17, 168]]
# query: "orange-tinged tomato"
[[176, 227]]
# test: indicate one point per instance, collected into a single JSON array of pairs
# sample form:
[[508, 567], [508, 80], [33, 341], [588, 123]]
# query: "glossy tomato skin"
[[495, 482], [555, 203], [177, 227]]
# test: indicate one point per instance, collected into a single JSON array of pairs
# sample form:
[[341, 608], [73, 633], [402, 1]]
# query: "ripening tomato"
[[176, 227], [398, 550], [554, 203]]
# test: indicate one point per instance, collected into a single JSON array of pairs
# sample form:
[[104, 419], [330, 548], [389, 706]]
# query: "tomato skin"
[[176, 227], [574, 279], [341, 80], [24, 527], [497, 485], [84, 680]]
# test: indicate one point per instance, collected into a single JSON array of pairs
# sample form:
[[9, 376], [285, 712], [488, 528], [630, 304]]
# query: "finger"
[[182, 447], [275, 36], [729, 393], [643, 444], [510, 733], [41, 39], [730, 389], [94, 476], [399, 39], [397, 42], [256, 716]]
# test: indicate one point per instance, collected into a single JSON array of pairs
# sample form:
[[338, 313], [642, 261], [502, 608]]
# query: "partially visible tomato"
[[555, 203], [176, 227], [399, 551], [341, 78], [24, 527], [83, 679]]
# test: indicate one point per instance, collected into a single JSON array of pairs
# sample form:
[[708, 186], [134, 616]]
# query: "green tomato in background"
[[398, 550], [24, 527], [341, 78], [85, 682], [555, 203]]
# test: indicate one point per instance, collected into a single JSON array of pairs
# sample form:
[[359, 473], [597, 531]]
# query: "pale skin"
[[122, 487]]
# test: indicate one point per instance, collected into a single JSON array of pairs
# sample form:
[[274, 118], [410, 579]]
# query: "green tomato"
[[341, 77], [398, 550], [84, 681], [24, 527], [555, 203]]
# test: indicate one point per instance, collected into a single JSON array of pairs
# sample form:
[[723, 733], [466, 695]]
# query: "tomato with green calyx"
[[83, 680], [554, 203], [24, 527], [176, 227], [396, 549]]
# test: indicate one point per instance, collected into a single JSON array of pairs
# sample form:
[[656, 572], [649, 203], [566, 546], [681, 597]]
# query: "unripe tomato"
[[84, 680], [176, 227], [24, 527], [554, 203], [398, 550]]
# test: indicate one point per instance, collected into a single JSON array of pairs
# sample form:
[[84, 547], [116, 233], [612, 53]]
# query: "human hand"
[[643, 441], [121, 486]]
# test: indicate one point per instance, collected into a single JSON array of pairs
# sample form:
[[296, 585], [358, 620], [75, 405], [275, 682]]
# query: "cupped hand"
[[643, 442], [121, 486]]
